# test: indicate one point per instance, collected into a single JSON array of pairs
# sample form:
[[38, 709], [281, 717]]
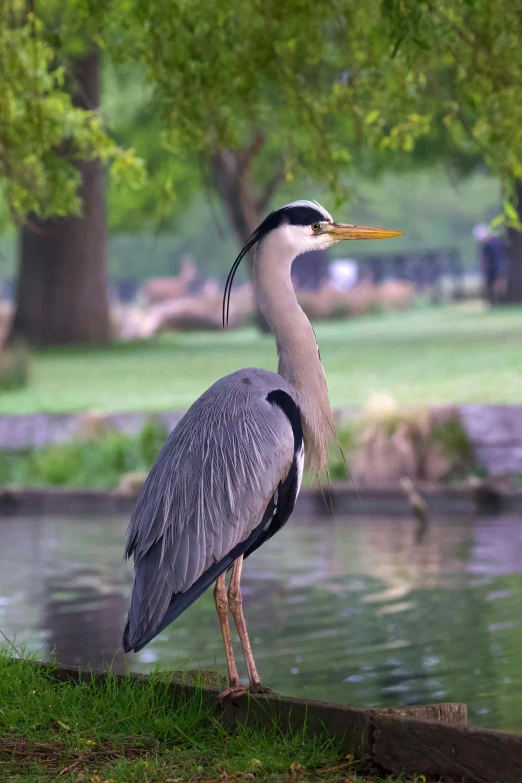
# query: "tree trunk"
[[233, 183], [62, 294], [514, 273]]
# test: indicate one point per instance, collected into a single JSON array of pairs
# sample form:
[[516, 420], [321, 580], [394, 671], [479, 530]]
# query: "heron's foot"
[[258, 687], [234, 690]]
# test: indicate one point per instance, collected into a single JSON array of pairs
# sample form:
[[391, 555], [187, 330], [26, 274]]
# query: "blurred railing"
[[439, 273]]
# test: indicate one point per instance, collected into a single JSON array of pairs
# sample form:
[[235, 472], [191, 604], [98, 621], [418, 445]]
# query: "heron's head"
[[298, 228], [306, 225]]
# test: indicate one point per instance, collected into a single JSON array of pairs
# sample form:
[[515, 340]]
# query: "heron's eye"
[[316, 226]]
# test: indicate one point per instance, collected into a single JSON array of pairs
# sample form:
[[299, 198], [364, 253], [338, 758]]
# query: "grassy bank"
[[446, 354], [131, 731]]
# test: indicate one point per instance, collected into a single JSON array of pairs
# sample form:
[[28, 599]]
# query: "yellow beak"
[[340, 231]]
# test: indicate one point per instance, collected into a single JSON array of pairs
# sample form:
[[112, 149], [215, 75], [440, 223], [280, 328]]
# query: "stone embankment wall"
[[40, 429], [495, 431]]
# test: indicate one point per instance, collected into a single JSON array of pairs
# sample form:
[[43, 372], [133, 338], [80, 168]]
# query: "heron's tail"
[[153, 606], [139, 630]]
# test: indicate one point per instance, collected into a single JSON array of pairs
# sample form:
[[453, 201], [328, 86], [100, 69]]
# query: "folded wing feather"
[[206, 493]]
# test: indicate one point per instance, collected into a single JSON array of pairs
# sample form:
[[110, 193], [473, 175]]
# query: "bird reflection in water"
[[82, 621], [419, 509]]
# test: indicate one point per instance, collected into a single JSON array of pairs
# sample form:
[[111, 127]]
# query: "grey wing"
[[206, 493]]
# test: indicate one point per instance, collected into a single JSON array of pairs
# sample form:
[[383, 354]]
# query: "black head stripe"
[[295, 215]]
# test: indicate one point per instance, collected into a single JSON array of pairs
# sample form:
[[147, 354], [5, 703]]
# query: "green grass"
[[14, 367], [122, 730], [452, 354]]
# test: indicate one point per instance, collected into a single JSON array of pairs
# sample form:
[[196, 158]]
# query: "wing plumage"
[[208, 498]]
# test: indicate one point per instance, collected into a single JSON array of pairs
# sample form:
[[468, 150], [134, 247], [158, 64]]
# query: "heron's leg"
[[221, 601], [236, 607]]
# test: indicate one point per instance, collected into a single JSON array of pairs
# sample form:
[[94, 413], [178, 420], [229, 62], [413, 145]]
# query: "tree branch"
[[245, 156], [269, 190]]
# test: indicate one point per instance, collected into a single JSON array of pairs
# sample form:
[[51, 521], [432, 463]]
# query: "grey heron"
[[228, 476]]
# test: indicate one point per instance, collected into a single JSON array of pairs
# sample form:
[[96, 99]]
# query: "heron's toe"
[[233, 692], [258, 687]]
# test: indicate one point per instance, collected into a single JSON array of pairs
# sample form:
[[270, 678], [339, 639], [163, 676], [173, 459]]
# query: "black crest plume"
[[297, 215], [249, 244]]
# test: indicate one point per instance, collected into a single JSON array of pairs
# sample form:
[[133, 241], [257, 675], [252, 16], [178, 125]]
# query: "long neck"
[[299, 361]]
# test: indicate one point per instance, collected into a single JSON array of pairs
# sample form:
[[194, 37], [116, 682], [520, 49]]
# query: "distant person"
[[493, 262], [343, 274]]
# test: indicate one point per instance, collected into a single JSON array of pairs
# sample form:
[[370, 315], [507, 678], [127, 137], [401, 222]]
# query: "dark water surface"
[[342, 609]]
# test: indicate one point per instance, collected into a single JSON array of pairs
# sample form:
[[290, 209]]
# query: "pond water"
[[341, 609]]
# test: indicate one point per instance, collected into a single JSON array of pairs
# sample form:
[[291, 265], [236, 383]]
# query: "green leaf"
[[372, 117], [510, 211], [499, 220]]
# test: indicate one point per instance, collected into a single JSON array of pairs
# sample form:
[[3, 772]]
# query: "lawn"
[[455, 353], [121, 730]]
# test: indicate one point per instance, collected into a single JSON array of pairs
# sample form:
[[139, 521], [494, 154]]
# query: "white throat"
[[299, 362]]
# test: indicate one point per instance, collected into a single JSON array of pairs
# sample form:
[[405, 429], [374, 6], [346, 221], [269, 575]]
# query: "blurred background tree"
[[244, 102], [322, 88], [52, 143], [462, 66]]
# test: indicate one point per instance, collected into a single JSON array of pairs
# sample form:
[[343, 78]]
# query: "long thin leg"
[[236, 607], [221, 601]]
